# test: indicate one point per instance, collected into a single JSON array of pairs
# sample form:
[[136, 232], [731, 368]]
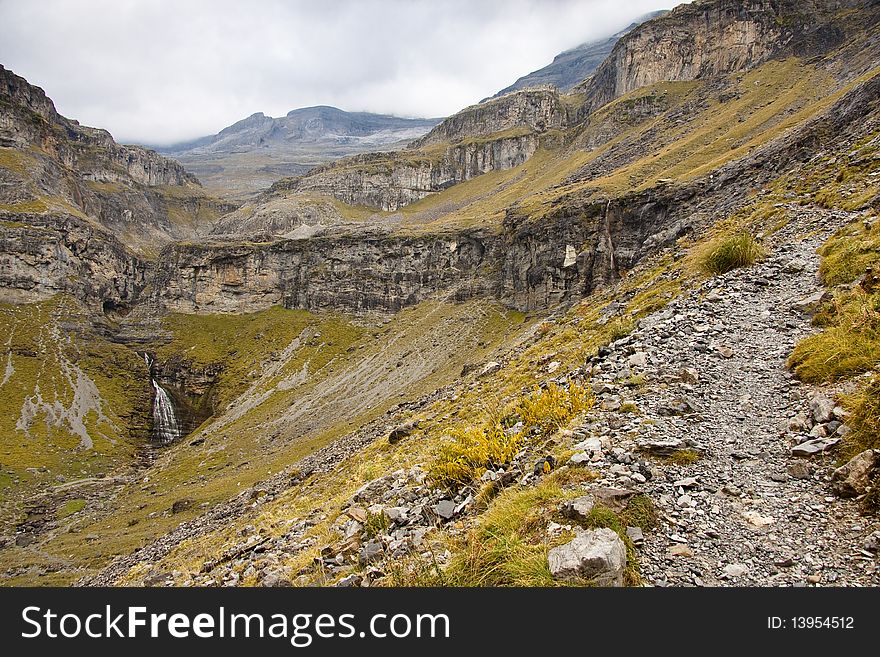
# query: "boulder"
[[853, 479], [597, 554], [400, 432]]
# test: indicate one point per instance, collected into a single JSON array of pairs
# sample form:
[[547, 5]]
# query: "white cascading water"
[[166, 429]]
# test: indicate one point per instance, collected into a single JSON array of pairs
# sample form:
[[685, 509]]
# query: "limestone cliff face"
[[704, 39], [53, 254], [391, 181], [535, 109], [352, 273]]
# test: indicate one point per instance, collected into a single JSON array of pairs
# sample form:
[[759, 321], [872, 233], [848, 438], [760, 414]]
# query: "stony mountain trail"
[[714, 365]]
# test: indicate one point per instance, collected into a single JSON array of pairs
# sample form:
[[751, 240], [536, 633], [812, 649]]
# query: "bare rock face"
[[391, 181], [358, 272], [596, 554], [705, 39], [52, 254], [536, 109], [854, 478]]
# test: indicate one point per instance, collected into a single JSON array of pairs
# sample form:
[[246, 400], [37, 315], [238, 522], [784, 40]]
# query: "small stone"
[[636, 535], [371, 552], [687, 482], [615, 499], [679, 550], [579, 459], [638, 359], [579, 508], [275, 579], [357, 514], [726, 352], [689, 375], [822, 408], [872, 543], [552, 367], [799, 422], [757, 520], [735, 570], [597, 554], [589, 445], [349, 581], [445, 509], [397, 514], [814, 446], [490, 368], [800, 470]]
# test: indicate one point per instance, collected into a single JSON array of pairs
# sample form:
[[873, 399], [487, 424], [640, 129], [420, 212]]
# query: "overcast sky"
[[161, 71]]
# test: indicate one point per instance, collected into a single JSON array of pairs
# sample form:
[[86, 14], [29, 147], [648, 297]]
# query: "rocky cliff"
[[352, 273], [535, 109], [703, 39], [389, 182], [49, 163], [81, 213], [49, 254]]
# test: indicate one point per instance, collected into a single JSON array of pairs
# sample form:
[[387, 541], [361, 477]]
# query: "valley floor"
[[693, 410]]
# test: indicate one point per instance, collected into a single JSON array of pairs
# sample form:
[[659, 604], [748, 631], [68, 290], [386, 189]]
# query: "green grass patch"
[[847, 255], [849, 344], [70, 507], [726, 253]]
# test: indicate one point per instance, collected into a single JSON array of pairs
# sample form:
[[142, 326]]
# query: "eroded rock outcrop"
[[535, 109], [391, 181], [705, 39], [353, 273], [51, 254]]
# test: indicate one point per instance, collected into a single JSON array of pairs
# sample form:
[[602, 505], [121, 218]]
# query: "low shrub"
[[724, 254]]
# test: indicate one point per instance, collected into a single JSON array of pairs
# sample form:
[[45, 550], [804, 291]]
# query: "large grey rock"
[[596, 554], [853, 479]]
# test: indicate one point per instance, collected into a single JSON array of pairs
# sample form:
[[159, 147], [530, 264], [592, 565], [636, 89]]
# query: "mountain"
[[573, 66], [251, 154], [554, 326], [76, 182]]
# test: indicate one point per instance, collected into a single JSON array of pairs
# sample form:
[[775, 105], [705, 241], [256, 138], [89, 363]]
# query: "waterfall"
[[166, 429]]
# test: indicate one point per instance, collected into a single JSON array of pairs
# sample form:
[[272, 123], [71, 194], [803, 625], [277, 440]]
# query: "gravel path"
[[748, 512]]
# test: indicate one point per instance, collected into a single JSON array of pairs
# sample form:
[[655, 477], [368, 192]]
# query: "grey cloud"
[[159, 71]]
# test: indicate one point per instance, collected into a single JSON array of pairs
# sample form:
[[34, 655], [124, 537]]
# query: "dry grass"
[[725, 253]]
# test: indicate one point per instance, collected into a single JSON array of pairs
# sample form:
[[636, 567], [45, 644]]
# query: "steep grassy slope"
[[312, 379], [73, 404]]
